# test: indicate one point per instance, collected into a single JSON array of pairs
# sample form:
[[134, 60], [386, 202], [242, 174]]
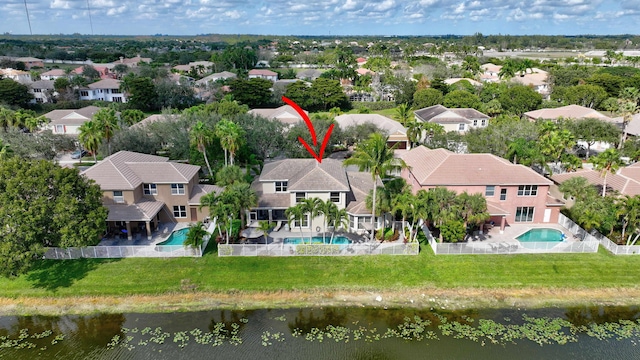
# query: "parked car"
[[79, 154]]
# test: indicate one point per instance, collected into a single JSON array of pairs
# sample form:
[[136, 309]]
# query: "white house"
[[105, 90], [263, 74], [68, 122], [53, 74], [460, 120], [42, 91]]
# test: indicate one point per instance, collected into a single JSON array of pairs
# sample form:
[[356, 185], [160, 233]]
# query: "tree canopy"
[[43, 205]]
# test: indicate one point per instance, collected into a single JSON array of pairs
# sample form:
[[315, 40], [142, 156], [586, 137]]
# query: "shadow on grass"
[[54, 274], [212, 249]]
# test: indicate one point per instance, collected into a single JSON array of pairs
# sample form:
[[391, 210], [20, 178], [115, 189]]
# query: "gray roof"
[[71, 116], [382, 122], [42, 84], [307, 174], [361, 185], [441, 114], [199, 191], [143, 210], [309, 74], [216, 76], [126, 170], [285, 114], [105, 84]]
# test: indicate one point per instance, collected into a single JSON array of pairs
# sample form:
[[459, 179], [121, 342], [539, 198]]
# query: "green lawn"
[[210, 273]]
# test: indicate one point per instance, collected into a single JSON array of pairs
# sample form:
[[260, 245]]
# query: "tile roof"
[[71, 116], [54, 72], [307, 174], [285, 114], [143, 210], [626, 181], [496, 209], [154, 118], [361, 185], [455, 80], [126, 170], [567, 112], [633, 127], [200, 190], [42, 84], [536, 78], [441, 114], [216, 76], [382, 122], [105, 84], [262, 72], [440, 167]]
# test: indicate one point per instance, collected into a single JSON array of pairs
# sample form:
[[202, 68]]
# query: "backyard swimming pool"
[[176, 238], [533, 238], [337, 240]]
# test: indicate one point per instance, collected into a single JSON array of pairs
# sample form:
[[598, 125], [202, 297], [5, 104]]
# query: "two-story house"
[[396, 132], [143, 190], [68, 121], [460, 120], [53, 74], [514, 193], [285, 183], [42, 91], [105, 90]]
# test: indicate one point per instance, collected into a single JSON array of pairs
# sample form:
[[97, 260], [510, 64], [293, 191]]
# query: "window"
[[528, 190], [117, 99], [84, 93], [461, 127], [300, 197], [37, 90], [335, 197], [180, 211], [39, 100], [489, 190], [177, 189], [59, 129], [118, 197], [503, 194], [352, 223], [150, 189], [524, 213], [305, 222], [475, 122], [115, 91], [281, 186], [484, 122], [362, 220]]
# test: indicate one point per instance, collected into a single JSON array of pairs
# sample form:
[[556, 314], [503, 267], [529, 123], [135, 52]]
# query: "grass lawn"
[[94, 277]]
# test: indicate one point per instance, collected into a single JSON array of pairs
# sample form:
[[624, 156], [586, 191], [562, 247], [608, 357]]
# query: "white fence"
[[281, 249], [472, 248], [596, 236], [111, 252]]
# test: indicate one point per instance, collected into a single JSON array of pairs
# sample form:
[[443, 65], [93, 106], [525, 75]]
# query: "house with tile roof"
[[53, 74], [68, 121], [626, 181], [263, 74], [104, 90], [570, 112], [142, 191], [514, 193], [285, 114], [396, 132], [284, 183], [30, 62], [132, 62], [42, 91], [460, 120]]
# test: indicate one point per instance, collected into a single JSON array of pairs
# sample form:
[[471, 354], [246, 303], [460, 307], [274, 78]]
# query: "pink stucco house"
[[514, 193]]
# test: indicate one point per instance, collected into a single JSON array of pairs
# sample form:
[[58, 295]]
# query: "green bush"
[[374, 106]]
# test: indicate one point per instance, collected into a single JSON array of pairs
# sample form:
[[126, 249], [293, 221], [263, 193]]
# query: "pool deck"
[[511, 232], [160, 235], [276, 237]]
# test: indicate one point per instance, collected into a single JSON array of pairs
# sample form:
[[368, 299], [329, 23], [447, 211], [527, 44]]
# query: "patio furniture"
[[278, 226]]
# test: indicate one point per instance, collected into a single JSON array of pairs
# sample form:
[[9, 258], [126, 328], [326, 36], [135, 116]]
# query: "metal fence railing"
[[112, 252], [589, 245], [354, 249], [596, 236]]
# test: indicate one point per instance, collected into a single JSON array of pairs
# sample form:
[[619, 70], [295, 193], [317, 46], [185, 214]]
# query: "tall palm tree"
[[629, 211], [373, 155], [626, 108], [231, 138], [414, 131], [265, 227], [313, 207], [6, 118], [404, 203], [90, 137], [295, 213], [442, 207], [607, 162], [340, 219], [108, 123], [200, 136], [473, 208], [328, 209], [245, 197]]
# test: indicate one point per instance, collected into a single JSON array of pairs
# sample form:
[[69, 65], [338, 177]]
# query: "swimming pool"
[[533, 238], [176, 238], [337, 240]]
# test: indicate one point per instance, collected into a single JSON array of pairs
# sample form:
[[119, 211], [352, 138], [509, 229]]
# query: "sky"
[[322, 17]]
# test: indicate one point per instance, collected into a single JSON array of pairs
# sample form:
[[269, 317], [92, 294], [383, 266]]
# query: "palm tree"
[[473, 208], [607, 162], [629, 210], [200, 136], [405, 204], [107, 123], [373, 155], [442, 207], [328, 208], [90, 137], [403, 113], [231, 138], [244, 197], [313, 207], [340, 219], [626, 108], [6, 118], [5, 151], [508, 70], [195, 235], [265, 227], [414, 131], [577, 187], [295, 213]]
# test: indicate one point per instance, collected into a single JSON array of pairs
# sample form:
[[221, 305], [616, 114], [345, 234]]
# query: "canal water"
[[329, 333]]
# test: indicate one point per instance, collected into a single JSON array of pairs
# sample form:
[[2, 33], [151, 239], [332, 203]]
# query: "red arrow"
[[306, 119]]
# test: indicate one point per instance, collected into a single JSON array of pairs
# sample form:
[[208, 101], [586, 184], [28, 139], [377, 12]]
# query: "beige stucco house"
[[143, 190], [460, 120]]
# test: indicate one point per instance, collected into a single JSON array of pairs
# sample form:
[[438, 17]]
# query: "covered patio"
[[135, 220]]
